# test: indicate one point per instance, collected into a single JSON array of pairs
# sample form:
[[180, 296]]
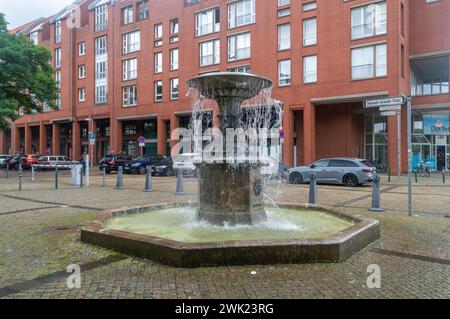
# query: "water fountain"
[[230, 224]]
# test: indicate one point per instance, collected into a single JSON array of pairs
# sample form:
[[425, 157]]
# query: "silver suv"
[[348, 171]]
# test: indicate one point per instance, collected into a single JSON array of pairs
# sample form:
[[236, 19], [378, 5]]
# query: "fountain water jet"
[[230, 194]]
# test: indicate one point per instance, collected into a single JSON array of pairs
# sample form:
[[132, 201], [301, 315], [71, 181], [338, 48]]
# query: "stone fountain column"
[[230, 193]]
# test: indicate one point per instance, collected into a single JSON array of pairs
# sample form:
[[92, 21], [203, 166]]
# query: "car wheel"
[[296, 178], [169, 172], [142, 170], [350, 181]]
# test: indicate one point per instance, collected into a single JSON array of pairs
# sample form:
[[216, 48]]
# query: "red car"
[[29, 160]]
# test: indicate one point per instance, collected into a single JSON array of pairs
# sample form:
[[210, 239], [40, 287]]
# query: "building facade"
[[123, 67]]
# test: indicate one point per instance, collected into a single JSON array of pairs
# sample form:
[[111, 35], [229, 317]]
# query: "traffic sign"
[[92, 138], [392, 101], [390, 108], [389, 113], [141, 141]]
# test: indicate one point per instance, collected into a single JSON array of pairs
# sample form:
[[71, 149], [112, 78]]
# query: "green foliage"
[[26, 77]]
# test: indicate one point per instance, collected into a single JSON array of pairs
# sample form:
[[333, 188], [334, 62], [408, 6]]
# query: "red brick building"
[[123, 70]]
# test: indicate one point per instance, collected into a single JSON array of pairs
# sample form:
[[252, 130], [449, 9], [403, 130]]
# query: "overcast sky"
[[19, 12]]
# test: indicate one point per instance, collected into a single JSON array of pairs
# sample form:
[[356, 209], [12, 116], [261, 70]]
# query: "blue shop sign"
[[435, 125]]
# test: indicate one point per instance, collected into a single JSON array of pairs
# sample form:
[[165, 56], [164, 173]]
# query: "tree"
[[26, 77]]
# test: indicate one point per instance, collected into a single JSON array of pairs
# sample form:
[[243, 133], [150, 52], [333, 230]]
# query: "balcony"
[[429, 76]]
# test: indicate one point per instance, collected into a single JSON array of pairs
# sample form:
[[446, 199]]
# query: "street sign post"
[[390, 107], [141, 141]]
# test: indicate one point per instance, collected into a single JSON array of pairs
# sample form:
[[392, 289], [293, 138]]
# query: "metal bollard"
[[148, 180], [7, 171], [32, 173], [376, 196], [56, 177], [443, 175], [20, 176], [119, 184], [104, 176], [416, 177], [81, 178], [389, 175], [313, 190], [180, 186]]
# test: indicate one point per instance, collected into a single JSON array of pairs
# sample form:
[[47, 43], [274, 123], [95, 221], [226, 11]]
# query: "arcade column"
[[76, 140], [28, 139], [174, 124], [56, 142], [15, 139], [116, 136], [42, 139], [162, 136], [3, 143], [309, 133]]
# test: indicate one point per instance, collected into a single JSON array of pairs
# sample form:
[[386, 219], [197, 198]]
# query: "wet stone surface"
[[35, 246]]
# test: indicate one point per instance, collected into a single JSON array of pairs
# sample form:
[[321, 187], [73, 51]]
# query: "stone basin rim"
[[335, 248]]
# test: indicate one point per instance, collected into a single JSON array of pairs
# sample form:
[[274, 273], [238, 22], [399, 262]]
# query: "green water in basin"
[[180, 224]]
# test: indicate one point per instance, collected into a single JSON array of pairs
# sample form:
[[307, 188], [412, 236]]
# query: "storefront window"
[[375, 128]]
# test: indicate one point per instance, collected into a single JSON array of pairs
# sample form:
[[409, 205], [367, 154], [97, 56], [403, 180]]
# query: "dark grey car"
[[348, 171]]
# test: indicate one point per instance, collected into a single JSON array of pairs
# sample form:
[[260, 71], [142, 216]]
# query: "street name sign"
[[392, 101]]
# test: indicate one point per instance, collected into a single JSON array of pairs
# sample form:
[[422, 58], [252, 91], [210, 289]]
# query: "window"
[[57, 58], [158, 31], [369, 62], [342, 163], [101, 70], [46, 108], [58, 101], [158, 62], [369, 20], [173, 89], [81, 48], [241, 13], [284, 13], [207, 22], [81, 95], [310, 69], [310, 32], [143, 10], [210, 52], [81, 71], [129, 69], [174, 59], [34, 37], [127, 15], [129, 94], [174, 26], [101, 18], [284, 37], [284, 73], [129, 129], [240, 69], [239, 47], [58, 31], [309, 6], [131, 42], [283, 2], [101, 46], [158, 91], [58, 79]]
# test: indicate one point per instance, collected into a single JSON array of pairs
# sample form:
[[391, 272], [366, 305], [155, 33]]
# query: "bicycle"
[[423, 170]]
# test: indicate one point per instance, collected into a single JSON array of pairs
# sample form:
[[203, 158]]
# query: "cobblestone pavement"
[[39, 238]]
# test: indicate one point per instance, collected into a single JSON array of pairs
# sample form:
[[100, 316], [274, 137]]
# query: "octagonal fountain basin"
[[172, 235]]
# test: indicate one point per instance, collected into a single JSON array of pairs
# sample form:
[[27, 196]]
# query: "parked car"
[[14, 162], [163, 166], [111, 163], [29, 160], [348, 171], [139, 165], [4, 159], [53, 161], [186, 163]]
